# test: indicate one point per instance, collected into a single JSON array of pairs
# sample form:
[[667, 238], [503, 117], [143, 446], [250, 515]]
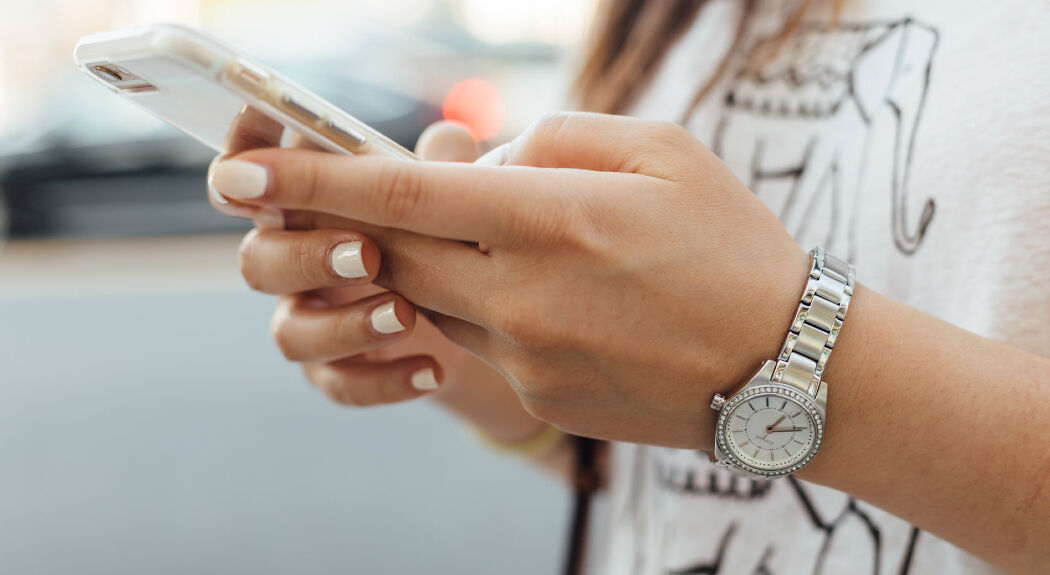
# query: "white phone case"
[[208, 90]]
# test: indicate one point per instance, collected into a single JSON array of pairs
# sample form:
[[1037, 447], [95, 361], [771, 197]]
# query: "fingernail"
[[238, 179], [384, 319], [247, 213], [270, 218], [347, 262], [424, 380], [215, 195], [224, 207]]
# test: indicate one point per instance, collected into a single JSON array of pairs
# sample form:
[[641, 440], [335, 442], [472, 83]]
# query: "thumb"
[[446, 142]]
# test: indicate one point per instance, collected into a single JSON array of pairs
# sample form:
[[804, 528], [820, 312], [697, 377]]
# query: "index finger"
[[455, 201]]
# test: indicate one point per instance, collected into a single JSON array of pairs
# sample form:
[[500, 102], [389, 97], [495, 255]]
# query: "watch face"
[[771, 430]]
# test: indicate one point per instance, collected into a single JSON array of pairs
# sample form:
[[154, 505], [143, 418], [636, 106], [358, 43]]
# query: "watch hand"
[[775, 423], [769, 428], [775, 430]]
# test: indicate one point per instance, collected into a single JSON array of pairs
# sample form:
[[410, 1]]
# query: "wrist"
[[770, 313], [845, 376], [757, 337], [775, 422]]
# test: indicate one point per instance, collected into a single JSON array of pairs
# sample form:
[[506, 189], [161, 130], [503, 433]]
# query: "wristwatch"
[[773, 424]]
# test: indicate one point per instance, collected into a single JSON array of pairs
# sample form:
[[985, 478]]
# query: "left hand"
[[627, 274]]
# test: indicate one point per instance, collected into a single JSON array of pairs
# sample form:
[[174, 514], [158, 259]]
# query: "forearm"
[[943, 428]]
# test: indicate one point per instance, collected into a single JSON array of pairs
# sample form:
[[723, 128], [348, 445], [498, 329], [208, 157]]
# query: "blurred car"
[[102, 167], [110, 169]]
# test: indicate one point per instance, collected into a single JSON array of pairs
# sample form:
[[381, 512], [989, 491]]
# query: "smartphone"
[[219, 96]]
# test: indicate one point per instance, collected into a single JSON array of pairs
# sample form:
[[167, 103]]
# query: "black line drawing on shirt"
[[828, 518], [715, 565], [712, 483], [851, 509], [831, 84], [763, 564]]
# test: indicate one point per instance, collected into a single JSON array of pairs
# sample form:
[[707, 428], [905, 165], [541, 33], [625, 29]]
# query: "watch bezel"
[[778, 389]]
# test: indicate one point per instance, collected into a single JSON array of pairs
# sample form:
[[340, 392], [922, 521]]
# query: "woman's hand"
[[358, 343], [626, 275]]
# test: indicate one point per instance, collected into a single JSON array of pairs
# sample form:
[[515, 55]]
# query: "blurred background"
[[147, 422]]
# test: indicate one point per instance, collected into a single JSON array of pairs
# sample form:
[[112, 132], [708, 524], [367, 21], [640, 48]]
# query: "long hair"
[[629, 39]]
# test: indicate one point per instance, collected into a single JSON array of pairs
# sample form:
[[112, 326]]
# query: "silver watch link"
[[773, 425]]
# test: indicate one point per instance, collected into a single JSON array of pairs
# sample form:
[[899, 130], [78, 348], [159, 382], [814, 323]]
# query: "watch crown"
[[718, 402]]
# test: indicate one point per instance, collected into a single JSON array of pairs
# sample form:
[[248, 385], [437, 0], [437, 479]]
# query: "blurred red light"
[[477, 105]]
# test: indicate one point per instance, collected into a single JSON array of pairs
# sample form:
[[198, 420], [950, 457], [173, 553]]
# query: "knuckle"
[[548, 125], [336, 387], [574, 225], [544, 132], [308, 263], [246, 256], [548, 225], [317, 375], [346, 333], [282, 338], [402, 192], [386, 392], [340, 393], [669, 134], [310, 178], [661, 154]]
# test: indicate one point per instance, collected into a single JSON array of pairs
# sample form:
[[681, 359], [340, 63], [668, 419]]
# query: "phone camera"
[[107, 73]]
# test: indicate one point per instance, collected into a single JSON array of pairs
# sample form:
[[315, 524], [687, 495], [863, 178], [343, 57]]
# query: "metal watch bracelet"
[[794, 377], [817, 322]]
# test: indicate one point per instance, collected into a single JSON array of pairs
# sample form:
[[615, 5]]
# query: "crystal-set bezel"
[[787, 391]]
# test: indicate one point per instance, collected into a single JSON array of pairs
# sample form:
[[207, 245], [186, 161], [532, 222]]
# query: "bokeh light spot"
[[477, 105]]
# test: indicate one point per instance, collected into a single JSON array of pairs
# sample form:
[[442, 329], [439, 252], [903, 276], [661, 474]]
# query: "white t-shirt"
[[912, 138]]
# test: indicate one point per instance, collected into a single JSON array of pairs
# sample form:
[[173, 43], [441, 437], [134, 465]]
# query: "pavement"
[[148, 425]]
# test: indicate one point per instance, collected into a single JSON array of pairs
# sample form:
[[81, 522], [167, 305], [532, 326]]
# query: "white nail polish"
[[215, 195], [424, 380], [270, 218], [239, 180], [347, 261], [384, 319], [228, 209]]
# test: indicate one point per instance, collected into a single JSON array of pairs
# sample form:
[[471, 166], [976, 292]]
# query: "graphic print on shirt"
[[817, 530], [830, 115], [830, 86]]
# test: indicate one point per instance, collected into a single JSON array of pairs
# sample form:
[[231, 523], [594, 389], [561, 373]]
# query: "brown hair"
[[629, 38]]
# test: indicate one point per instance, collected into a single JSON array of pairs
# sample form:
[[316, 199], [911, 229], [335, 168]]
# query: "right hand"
[[325, 322]]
